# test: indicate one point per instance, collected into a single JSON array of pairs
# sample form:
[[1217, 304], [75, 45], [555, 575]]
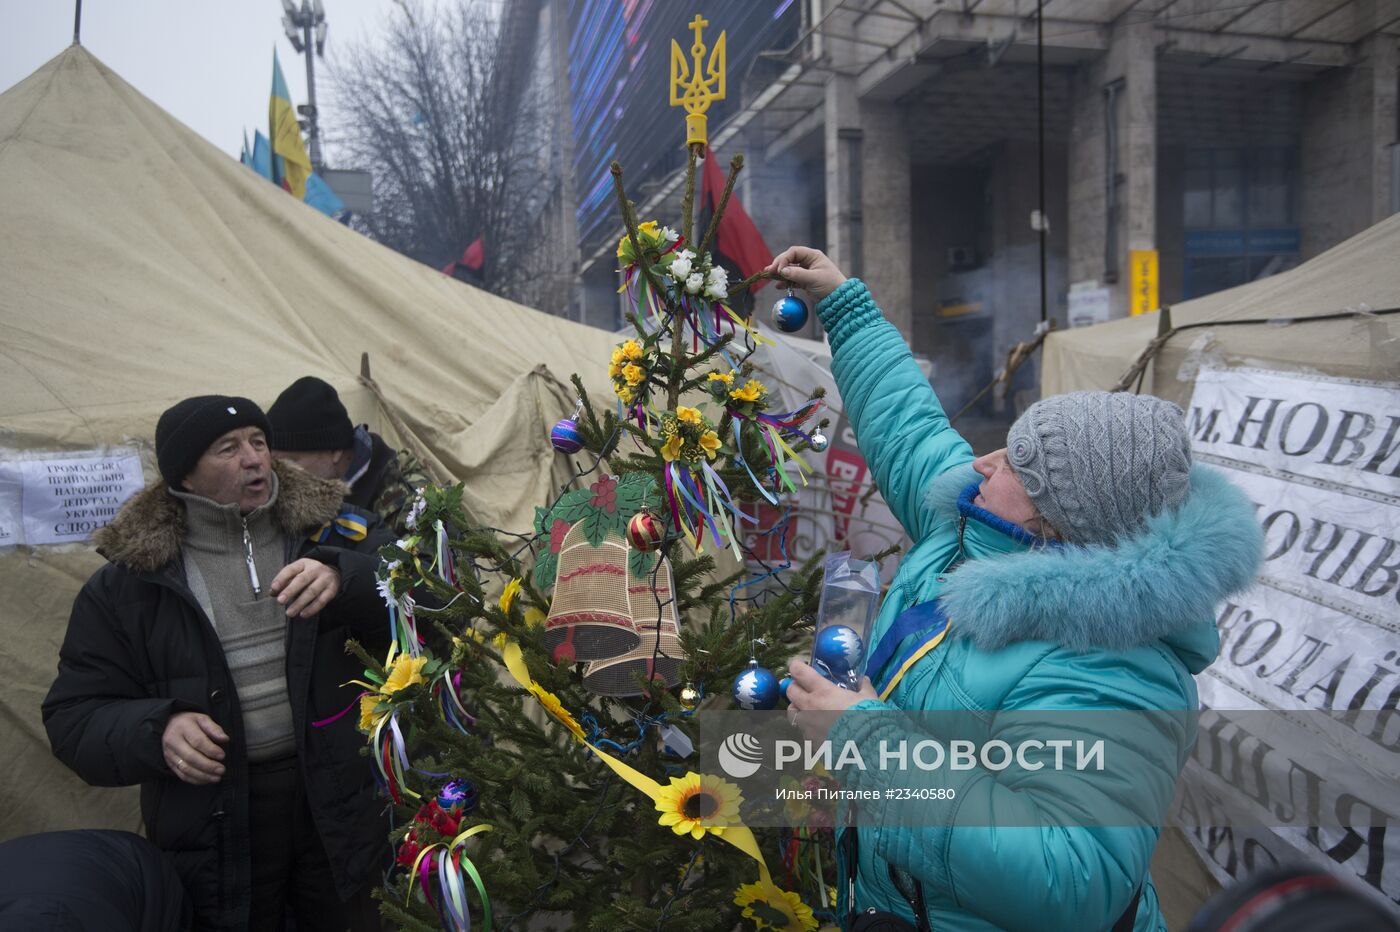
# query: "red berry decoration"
[[645, 531]]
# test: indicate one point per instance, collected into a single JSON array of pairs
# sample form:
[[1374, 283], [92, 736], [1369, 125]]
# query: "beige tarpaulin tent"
[[1359, 275], [139, 265], [1356, 288]]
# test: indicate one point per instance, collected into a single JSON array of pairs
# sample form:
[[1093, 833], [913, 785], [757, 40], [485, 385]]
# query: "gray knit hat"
[[1097, 464]]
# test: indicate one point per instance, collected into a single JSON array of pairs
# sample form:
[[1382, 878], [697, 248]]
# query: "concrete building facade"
[[936, 148]]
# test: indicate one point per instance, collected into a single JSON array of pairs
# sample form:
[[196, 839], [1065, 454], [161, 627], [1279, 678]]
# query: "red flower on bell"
[[605, 494], [557, 532]]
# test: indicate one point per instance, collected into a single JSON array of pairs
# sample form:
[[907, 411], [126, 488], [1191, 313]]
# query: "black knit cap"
[[309, 416], [187, 429]]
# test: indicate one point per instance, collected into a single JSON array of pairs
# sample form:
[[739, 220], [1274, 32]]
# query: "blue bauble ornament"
[[565, 436], [783, 685], [756, 689], [839, 649], [789, 313], [459, 795]]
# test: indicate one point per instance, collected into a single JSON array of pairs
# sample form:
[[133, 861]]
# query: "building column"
[[1113, 188], [867, 176]]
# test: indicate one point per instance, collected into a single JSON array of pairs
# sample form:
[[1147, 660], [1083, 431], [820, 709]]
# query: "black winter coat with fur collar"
[[140, 649]]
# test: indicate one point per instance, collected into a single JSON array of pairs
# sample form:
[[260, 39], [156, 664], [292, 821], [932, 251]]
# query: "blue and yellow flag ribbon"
[[347, 524]]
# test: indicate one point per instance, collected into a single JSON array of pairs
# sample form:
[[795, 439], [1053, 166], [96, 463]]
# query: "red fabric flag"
[[737, 239], [475, 255]]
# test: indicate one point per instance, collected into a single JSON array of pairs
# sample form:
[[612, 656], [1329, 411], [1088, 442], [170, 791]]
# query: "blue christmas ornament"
[[839, 649], [783, 685], [789, 313], [565, 436], [458, 794], [756, 689]]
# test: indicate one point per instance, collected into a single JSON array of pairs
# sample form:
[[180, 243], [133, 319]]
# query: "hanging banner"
[[1315, 642]]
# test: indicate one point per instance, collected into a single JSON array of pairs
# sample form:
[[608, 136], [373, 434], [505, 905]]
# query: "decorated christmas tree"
[[534, 720]]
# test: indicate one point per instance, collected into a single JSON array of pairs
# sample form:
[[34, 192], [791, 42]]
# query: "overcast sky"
[[208, 62]]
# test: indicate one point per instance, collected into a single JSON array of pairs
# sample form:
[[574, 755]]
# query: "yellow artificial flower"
[[403, 673], [614, 370], [508, 595], [499, 641], [651, 229], [633, 374], [554, 707], [709, 442], [690, 416], [696, 804], [631, 349], [753, 390], [534, 617], [369, 718], [624, 393], [671, 448], [726, 377], [786, 911], [617, 356]]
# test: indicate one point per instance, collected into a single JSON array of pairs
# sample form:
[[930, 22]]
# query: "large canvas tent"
[[1291, 385], [1263, 321], [140, 265]]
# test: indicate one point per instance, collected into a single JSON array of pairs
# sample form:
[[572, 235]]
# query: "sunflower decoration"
[[404, 671], [771, 908], [688, 437], [748, 400], [697, 804], [628, 370]]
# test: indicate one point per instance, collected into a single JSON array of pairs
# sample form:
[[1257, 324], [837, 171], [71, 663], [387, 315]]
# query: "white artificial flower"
[[680, 266], [719, 274], [718, 290], [694, 283], [669, 235], [411, 519]]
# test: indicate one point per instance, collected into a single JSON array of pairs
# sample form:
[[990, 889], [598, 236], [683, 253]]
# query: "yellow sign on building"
[[1142, 296]]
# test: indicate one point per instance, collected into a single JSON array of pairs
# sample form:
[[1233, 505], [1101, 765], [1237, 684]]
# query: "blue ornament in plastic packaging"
[[565, 436], [458, 795], [790, 313], [839, 649], [783, 685], [756, 689]]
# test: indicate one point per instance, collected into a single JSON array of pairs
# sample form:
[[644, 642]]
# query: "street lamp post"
[[299, 25]]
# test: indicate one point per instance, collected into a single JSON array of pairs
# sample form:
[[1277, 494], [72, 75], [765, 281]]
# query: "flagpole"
[[77, 21]]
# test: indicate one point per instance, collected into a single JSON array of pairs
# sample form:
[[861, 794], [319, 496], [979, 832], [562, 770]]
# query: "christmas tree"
[[534, 742]]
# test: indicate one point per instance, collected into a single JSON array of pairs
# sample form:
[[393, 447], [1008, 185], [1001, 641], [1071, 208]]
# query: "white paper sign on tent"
[[63, 499]]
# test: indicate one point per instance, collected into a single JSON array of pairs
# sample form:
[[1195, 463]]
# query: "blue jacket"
[[1032, 628]]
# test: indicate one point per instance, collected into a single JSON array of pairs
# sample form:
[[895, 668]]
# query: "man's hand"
[[815, 703], [191, 747], [305, 587], [808, 269]]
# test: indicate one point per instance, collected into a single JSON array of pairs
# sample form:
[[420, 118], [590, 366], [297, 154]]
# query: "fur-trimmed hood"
[[148, 531], [1158, 585]]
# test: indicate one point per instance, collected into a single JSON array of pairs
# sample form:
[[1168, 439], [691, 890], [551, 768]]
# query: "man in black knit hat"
[[310, 427], [206, 663]]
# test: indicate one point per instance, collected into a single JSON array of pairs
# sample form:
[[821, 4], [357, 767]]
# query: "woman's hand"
[[815, 703], [808, 269]]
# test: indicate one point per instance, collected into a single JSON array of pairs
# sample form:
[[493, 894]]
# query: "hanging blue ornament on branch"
[[790, 313], [756, 689]]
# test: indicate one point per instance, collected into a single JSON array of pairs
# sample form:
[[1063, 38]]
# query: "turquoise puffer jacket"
[[1032, 628]]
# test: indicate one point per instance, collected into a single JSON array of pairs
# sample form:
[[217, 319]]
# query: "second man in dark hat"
[[311, 428]]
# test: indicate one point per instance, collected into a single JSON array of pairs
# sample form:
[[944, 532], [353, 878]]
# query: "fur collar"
[[147, 533], [1152, 586]]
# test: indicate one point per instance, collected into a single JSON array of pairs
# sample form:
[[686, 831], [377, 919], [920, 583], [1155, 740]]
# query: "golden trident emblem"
[[696, 87]]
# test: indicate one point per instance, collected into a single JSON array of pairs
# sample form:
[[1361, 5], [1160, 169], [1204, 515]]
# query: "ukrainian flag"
[[292, 169]]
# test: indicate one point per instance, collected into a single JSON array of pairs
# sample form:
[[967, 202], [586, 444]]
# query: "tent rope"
[[1138, 370]]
